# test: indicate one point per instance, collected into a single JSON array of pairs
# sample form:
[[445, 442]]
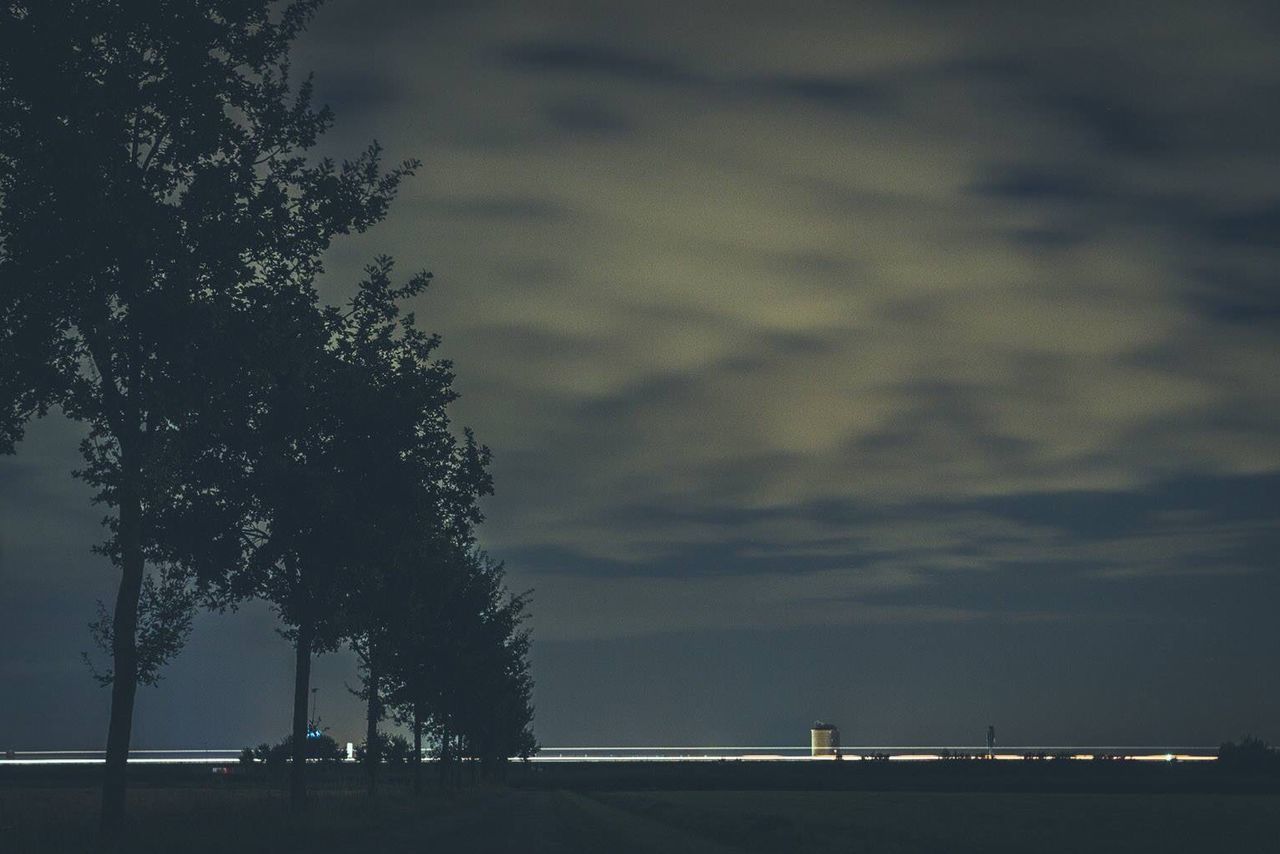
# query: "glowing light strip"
[[748, 757], [1146, 749], [1104, 748], [684, 753]]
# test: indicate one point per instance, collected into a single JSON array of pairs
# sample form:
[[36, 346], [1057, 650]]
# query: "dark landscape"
[[961, 805], [556, 426]]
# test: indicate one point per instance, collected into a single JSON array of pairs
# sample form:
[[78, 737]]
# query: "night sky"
[[910, 366]]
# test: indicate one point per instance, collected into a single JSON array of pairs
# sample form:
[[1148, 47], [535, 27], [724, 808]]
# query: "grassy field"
[[901, 822], [192, 814]]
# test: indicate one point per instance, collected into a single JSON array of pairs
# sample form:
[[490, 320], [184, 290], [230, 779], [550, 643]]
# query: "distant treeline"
[[162, 229]]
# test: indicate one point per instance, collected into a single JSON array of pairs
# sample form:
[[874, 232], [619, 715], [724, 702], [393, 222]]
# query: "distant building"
[[824, 740]]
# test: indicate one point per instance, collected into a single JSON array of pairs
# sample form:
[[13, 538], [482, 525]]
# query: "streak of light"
[[685, 753]]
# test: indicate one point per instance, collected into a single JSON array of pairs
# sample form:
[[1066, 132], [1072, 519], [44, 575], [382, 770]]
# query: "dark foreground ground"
[[939, 807]]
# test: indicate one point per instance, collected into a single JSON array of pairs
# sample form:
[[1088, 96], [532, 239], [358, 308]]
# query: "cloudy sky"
[[908, 365]]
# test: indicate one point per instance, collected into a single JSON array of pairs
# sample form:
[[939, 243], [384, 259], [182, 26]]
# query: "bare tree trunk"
[[124, 654], [301, 687], [372, 753], [417, 748]]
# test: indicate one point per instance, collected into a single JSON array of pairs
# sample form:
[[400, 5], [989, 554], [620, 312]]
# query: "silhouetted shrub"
[[320, 748], [247, 756], [393, 749], [1251, 753], [362, 749], [397, 750]]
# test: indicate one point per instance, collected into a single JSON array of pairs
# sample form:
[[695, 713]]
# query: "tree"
[[417, 621], [409, 390], [461, 668], [1250, 753], [345, 456], [154, 198], [429, 487], [400, 602], [407, 605], [490, 698]]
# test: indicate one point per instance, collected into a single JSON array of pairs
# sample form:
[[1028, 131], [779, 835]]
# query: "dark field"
[[715, 807]]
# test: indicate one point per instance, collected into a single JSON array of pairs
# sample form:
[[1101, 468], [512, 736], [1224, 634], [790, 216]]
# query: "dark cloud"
[[1049, 238], [1041, 185], [593, 60], [1237, 297], [356, 94], [1243, 498], [836, 92], [586, 117], [1257, 227], [502, 207], [1119, 126]]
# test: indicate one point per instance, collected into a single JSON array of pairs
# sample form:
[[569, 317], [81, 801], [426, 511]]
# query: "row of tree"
[[162, 228], [451, 664]]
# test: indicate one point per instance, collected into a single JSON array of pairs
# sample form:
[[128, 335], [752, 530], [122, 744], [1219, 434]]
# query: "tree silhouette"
[[401, 602], [342, 464], [417, 619], [156, 198], [420, 472], [461, 666], [1249, 752], [490, 695]]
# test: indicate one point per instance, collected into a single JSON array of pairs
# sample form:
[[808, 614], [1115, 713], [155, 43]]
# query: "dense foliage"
[[162, 226], [1249, 753]]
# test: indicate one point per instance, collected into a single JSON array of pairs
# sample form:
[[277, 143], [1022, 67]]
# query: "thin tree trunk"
[[417, 748], [372, 754], [124, 654], [301, 687]]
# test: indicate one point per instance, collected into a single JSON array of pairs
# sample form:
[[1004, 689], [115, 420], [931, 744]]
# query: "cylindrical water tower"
[[824, 740]]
